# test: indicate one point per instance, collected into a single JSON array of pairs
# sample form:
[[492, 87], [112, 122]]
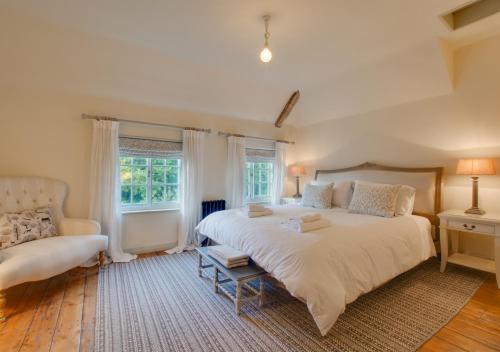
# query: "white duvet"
[[330, 267]]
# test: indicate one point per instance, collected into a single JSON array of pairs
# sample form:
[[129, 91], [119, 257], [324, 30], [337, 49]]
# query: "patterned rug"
[[160, 304]]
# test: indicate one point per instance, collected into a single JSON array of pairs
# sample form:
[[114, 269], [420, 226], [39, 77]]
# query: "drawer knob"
[[472, 227]]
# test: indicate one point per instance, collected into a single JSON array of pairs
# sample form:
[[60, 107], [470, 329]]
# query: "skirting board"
[[149, 249]]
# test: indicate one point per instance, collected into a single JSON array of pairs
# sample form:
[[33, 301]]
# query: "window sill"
[[138, 211]]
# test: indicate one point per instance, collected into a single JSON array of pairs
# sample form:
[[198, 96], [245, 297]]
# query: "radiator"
[[211, 206]]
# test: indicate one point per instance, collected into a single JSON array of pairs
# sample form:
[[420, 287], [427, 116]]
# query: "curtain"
[[236, 165], [280, 172], [191, 188], [105, 190]]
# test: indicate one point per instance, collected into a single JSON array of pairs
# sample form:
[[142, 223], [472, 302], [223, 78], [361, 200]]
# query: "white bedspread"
[[330, 267]]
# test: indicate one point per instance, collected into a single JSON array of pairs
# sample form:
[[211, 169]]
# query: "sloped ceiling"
[[346, 57]]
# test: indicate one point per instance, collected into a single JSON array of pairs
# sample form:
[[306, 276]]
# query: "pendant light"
[[266, 55]]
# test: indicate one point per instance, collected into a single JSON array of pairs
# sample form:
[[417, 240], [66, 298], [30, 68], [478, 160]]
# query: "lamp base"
[[297, 195], [475, 211]]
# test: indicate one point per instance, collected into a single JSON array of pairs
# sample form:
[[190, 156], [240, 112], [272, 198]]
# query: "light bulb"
[[266, 55]]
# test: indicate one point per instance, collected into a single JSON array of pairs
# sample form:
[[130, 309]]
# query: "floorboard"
[[58, 314]]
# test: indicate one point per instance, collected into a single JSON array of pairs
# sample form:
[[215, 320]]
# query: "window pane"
[[171, 193], [125, 174], [158, 194], [139, 195], [158, 174], [264, 189], [125, 161], [158, 162], [126, 193], [139, 161], [139, 174], [173, 162], [172, 175]]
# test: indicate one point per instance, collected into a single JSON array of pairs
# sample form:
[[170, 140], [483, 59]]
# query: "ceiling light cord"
[[266, 34], [266, 54]]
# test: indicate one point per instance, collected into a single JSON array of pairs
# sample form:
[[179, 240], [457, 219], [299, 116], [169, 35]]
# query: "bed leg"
[[3, 305], [101, 258]]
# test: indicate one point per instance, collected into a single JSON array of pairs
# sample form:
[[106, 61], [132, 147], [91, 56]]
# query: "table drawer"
[[471, 226]]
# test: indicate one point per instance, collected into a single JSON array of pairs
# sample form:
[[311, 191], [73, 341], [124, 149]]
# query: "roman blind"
[[260, 151], [259, 155], [149, 148]]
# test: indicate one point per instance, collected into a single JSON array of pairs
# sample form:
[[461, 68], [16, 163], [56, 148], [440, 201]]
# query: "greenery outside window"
[[149, 183], [258, 181]]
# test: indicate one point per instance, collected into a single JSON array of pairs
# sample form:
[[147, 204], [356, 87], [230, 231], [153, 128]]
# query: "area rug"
[[160, 304]]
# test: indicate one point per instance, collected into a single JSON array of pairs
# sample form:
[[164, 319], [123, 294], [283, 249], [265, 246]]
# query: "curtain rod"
[[108, 118], [151, 138], [226, 134]]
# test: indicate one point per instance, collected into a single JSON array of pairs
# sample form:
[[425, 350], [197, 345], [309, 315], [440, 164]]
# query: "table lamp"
[[297, 171], [475, 168]]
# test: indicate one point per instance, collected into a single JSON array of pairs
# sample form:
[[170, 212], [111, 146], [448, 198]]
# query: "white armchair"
[[79, 240]]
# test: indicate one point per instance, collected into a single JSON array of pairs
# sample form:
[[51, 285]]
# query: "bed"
[[331, 267]]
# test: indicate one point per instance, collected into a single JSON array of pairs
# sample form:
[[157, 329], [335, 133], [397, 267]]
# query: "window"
[[149, 183], [258, 181]]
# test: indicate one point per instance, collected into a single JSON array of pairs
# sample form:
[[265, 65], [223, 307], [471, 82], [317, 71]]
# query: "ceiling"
[[345, 56]]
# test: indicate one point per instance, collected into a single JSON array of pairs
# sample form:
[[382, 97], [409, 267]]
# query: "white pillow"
[[317, 196], [374, 199], [405, 200], [342, 194], [324, 183]]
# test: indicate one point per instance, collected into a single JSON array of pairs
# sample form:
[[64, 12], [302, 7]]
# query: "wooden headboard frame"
[[438, 171]]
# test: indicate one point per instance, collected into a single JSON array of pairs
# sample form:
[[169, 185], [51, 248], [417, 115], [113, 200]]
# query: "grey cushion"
[[318, 196], [374, 199]]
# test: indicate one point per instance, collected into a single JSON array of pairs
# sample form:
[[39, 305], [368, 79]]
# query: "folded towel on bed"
[[255, 214], [307, 217], [306, 226], [256, 207]]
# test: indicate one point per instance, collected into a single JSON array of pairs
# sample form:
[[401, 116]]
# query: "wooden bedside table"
[[482, 225], [290, 200]]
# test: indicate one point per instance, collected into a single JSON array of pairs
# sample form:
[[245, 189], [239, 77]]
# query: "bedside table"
[[290, 200], [482, 225]]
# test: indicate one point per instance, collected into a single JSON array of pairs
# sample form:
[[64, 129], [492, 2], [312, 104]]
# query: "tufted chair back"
[[22, 193]]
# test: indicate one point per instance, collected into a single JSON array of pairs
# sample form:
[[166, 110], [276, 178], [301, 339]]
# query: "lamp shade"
[[476, 167], [297, 170]]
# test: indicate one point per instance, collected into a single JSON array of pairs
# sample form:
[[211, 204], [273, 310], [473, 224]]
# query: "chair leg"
[[101, 258], [3, 304]]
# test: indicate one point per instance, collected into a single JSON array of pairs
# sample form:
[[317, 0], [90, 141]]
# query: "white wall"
[[431, 132]]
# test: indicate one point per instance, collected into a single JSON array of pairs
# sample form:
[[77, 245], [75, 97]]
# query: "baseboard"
[[149, 249]]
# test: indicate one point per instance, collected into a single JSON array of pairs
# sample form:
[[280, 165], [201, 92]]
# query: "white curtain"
[[279, 173], [191, 188], [236, 160], [105, 193]]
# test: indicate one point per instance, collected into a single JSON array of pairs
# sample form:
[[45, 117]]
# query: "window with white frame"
[[259, 175], [150, 174]]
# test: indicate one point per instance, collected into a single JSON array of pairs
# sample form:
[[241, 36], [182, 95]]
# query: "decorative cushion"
[[317, 196], [374, 199], [405, 200], [24, 226], [342, 194]]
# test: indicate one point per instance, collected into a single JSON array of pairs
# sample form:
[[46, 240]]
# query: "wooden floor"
[[59, 315]]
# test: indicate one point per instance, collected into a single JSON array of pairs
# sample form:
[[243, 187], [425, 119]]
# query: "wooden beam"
[[288, 108]]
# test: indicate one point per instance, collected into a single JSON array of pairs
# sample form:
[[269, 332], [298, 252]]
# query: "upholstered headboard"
[[21, 193], [427, 181]]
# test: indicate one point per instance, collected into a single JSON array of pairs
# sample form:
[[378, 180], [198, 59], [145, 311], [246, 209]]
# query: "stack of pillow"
[[361, 197]]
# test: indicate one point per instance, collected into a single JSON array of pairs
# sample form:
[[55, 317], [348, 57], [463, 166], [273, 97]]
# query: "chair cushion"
[[44, 258]]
